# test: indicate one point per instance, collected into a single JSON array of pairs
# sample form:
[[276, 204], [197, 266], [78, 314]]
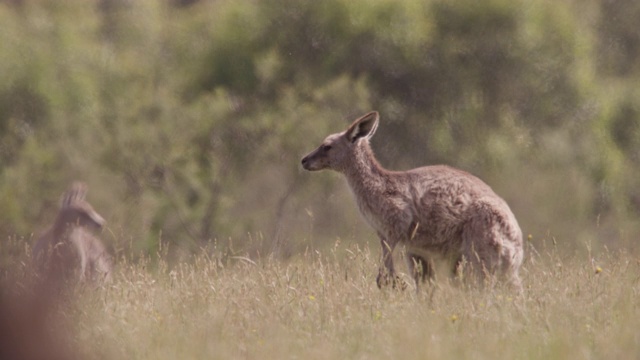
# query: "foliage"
[[188, 118]]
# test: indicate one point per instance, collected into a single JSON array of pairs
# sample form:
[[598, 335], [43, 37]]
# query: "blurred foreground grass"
[[328, 307]]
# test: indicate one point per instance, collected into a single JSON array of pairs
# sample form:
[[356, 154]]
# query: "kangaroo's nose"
[[305, 163]]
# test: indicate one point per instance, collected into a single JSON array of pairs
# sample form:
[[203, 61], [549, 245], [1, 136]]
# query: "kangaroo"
[[68, 243], [437, 212]]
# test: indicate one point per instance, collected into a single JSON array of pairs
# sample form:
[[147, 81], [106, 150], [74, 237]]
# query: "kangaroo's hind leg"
[[492, 246], [421, 268]]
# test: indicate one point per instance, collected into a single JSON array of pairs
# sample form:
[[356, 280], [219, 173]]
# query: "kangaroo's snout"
[[318, 159], [311, 163], [305, 163]]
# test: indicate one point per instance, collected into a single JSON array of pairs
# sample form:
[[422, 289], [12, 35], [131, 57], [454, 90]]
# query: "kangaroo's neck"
[[365, 172]]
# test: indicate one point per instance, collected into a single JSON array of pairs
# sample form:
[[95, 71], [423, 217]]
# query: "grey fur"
[[68, 246], [436, 211]]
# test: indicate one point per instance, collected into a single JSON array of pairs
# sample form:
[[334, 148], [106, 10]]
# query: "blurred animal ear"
[[75, 194], [363, 127]]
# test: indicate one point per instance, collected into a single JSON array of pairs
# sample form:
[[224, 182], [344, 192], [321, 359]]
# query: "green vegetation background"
[[188, 118]]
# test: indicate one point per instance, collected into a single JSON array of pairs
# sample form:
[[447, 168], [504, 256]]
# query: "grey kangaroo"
[[68, 246], [437, 212]]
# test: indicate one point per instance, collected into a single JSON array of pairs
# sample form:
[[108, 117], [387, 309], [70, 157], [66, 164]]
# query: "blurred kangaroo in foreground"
[[68, 246], [437, 212]]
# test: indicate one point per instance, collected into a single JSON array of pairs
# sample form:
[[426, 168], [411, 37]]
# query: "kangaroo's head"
[[337, 151], [76, 211]]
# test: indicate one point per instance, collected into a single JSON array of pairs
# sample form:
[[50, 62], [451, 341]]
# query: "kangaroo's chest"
[[390, 214]]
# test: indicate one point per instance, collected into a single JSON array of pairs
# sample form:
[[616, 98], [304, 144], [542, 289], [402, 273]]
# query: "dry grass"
[[328, 307]]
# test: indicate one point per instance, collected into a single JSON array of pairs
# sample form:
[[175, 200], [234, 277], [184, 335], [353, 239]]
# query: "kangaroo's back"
[[448, 201]]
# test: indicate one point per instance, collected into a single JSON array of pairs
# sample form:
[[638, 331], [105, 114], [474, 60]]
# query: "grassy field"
[[327, 306]]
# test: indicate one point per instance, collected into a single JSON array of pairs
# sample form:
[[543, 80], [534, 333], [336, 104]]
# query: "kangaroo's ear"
[[363, 127], [75, 194]]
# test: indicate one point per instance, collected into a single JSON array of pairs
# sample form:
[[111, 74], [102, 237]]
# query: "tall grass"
[[327, 306]]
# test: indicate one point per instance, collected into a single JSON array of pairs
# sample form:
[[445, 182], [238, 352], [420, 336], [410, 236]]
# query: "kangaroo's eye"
[[326, 147]]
